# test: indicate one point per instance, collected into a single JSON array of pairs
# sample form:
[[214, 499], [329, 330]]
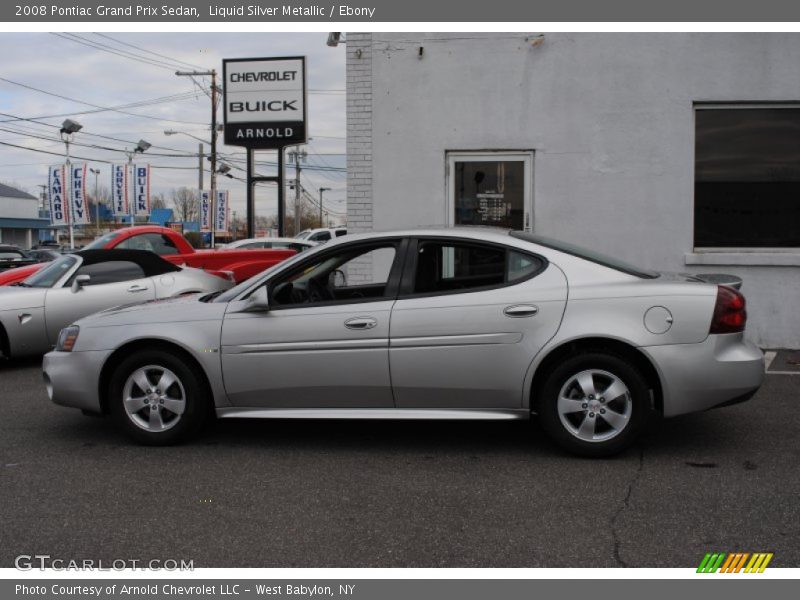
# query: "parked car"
[[484, 325], [44, 254], [275, 243], [321, 235], [173, 247], [12, 257], [33, 312]]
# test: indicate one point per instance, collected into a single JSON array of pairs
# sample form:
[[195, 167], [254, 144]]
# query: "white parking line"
[[768, 358], [783, 372]]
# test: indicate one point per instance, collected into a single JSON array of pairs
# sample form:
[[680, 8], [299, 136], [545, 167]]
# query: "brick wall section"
[[359, 144]]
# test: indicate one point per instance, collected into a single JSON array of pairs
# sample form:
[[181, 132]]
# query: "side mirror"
[[258, 301], [79, 282], [337, 279]]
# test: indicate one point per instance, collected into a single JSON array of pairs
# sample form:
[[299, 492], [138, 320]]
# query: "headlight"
[[67, 338]]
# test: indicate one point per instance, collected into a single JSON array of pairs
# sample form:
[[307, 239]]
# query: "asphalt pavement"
[[397, 494]]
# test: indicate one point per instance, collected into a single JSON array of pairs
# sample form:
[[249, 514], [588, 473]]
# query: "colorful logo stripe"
[[734, 562]]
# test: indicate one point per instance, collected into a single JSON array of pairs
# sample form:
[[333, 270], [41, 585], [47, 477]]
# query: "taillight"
[[730, 315]]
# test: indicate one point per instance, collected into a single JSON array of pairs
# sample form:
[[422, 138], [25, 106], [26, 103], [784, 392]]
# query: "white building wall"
[[609, 118], [19, 208]]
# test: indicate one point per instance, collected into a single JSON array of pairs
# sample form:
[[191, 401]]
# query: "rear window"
[[590, 255]]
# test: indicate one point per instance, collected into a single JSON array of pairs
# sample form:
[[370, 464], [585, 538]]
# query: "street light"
[[96, 172], [68, 129], [322, 189], [141, 147]]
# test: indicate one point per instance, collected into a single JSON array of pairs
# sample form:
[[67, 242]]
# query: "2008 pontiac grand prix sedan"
[[428, 324]]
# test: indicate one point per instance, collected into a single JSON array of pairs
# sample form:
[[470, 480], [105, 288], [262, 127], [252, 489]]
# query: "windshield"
[[590, 255], [101, 242], [47, 277], [303, 234]]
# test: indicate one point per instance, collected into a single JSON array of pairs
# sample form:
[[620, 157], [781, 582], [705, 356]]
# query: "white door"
[[490, 188]]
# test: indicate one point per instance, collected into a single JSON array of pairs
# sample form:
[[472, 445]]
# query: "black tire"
[[197, 403], [639, 406]]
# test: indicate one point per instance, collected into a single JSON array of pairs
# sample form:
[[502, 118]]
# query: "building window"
[[490, 188], [747, 177]]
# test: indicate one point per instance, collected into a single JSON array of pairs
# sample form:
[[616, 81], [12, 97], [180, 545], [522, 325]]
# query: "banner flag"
[[57, 195], [221, 211], [141, 190], [205, 210], [120, 202], [79, 202]]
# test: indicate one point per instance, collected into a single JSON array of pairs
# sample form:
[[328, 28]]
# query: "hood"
[[16, 297], [171, 310]]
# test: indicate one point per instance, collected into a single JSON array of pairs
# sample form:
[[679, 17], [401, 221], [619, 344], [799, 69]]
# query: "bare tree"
[[158, 201], [186, 204]]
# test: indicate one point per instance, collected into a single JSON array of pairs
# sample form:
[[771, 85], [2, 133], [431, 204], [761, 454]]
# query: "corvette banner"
[[120, 201]]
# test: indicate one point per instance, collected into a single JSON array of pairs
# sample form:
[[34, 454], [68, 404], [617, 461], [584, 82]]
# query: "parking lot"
[[405, 494]]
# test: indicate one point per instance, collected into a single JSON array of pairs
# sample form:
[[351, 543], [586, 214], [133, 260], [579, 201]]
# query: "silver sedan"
[[33, 311], [428, 324]]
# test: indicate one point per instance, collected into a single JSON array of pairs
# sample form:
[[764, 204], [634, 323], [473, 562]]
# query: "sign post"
[[265, 109]]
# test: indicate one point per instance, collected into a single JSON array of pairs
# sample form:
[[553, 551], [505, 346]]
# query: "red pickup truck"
[[172, 246]]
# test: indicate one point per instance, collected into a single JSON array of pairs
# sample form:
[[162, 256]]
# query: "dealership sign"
[[222, 210], [265, 102], [78, 200], [141, 190]]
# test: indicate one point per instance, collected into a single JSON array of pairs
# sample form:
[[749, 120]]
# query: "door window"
[[453, 266], [352, 274], [491, 189], [154, 242]]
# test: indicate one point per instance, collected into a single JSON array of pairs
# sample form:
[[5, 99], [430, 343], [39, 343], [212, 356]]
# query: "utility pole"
[[322, 189], [96, 172], [213, 74], [297, 156], [200, 166]]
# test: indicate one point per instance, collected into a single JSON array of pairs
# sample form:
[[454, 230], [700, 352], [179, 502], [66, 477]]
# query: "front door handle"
[[360, 323], [521, 310], [137, 288]]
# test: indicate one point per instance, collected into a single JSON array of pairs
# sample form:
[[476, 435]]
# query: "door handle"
[[137, 288], [360, 323], [521, 310]]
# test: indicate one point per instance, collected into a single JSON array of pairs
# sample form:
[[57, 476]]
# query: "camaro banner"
[[141, 190], [119, 190], [79, 203], [205, 210], [221, 211], [57, 195]]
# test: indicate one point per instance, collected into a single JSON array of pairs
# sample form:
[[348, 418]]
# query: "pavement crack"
[[625, 504]]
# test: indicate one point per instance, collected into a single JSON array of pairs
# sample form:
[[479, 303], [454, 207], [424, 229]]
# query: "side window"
[[521, 266], [321, 236], [446, 267], [341, 232], [352, 274], [154, 242], [113, 271], [164, 246], [252, 245]]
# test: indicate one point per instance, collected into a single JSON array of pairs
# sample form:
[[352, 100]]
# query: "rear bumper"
[[722, 370], [72, 378]]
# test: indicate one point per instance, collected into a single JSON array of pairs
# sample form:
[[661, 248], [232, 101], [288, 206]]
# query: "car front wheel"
[[594, 404], [157, 398]]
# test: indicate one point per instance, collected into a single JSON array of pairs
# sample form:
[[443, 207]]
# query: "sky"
[[95, 71]]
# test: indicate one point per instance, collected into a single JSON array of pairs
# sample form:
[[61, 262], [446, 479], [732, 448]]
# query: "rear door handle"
[[521, 310], [137, 288], [360, 323]]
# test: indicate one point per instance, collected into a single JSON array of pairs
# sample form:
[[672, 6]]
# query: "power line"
[[106, 48], [108, 37]]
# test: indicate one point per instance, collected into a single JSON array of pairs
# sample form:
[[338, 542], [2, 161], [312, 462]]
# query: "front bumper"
[[724, 369], [72, 378]]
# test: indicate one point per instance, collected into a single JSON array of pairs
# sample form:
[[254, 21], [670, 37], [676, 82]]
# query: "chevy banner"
[[120, 202], [57, 195], [79, 203], [205, 211], [221, 211], [141, 190]]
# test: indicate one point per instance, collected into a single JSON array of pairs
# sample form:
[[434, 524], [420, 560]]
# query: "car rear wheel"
[[594, 404], [157, 398]]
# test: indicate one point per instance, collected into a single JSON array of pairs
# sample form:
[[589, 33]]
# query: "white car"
[[321, 235], [279, 243]]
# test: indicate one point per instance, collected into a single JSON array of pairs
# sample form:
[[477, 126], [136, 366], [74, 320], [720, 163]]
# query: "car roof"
[[150, 262]]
